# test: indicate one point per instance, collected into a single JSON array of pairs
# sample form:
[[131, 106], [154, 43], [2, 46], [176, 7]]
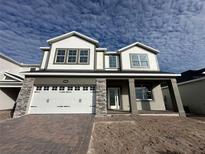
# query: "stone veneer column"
[[24, 97], [101, 96]]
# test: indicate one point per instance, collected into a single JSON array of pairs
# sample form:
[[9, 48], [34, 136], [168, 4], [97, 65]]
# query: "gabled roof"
[[17, 63], [73, 33], [140, 45], [9, 59]]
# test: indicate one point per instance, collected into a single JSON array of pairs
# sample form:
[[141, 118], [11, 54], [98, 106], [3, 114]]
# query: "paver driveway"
[[36, 134]]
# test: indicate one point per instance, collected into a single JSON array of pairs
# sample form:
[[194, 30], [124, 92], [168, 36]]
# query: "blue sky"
[[176, 28]]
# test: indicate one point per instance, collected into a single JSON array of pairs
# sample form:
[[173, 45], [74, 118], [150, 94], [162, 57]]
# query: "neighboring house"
[[191, 87], [77, 76], [11, 81], [190, 75]]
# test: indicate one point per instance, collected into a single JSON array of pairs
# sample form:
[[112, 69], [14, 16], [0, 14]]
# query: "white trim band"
[[102, 74]]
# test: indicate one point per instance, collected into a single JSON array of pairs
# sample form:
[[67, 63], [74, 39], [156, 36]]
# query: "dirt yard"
[[147, 135], [5, 115]]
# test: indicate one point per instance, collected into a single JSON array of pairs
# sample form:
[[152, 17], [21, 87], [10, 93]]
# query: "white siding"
[[44, 59], [7, 66], [125, 57], [72, 42], [100, 60]]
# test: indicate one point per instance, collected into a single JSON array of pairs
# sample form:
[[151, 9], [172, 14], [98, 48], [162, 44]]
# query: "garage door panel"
[[62, 101]]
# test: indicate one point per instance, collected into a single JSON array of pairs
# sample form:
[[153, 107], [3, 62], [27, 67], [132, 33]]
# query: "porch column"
[[101, 96], [132, 95], [176, 98]]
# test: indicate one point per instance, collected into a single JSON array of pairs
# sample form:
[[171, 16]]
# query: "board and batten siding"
[[69, 43], [126, 61]]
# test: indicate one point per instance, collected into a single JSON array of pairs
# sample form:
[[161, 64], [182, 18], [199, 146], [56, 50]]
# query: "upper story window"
[[83, 56], [139, 60], [60, 56], [112, 61], [72, 56]]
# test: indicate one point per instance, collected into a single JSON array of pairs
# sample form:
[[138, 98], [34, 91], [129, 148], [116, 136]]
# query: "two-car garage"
[[66, 98]]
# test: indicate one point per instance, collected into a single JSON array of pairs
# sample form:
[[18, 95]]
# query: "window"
[[75, 56], [54, 88], [92, 88], [38, 88], [143, 92], [85, 88], [46, 88], [77, 88], [72, 56], [70, 88], [139, 60], [60, 56], [112, 61], [83, 56], [61, 88]]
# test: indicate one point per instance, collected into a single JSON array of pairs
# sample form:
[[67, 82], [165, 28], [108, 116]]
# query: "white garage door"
[[61, 99]]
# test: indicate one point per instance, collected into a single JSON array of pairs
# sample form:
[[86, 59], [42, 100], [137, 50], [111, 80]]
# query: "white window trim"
[[76, 58], [116, 62], [56, 55], [77, 62], [79, 51], [138, 54]]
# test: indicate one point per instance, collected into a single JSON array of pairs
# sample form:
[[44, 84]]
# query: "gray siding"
[[192, 94]]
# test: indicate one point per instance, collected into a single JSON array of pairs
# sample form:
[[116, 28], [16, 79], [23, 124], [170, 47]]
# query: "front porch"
[[141, 96]]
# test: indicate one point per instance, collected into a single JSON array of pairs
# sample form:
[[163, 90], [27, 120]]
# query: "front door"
[[114, 98]]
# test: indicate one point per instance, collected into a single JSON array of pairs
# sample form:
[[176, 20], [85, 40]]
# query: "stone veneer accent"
[[101, 96], [24, 97]]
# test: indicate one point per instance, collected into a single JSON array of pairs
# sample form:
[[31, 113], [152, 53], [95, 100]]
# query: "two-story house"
[[77, 76]]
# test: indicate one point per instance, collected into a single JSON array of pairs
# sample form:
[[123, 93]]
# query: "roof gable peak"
[[72, 33], [140, 45]]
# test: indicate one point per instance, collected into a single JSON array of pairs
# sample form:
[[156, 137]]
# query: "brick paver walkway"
[[45, 134]]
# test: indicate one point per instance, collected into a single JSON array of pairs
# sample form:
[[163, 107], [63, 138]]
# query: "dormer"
[[71, 51], [138, 57]]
